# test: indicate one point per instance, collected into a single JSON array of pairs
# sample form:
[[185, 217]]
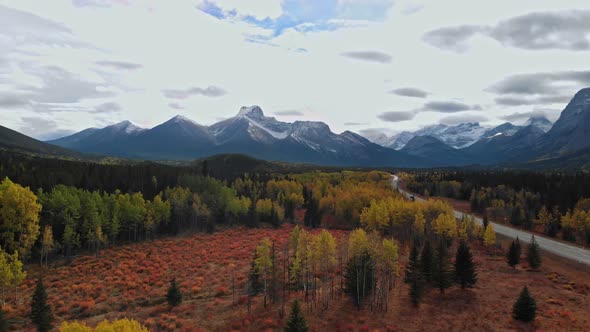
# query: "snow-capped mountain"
[[249, 132], [506, 128], [540, 122], [458, 136], [92, 139]]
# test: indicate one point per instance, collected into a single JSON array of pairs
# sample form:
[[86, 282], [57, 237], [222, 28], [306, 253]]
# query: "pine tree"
[[296, 322], [41, 314], [426, 261], [534, 254], [413, 264], [525, 308], [518, 248], [513, 255], [464, 267], [442, 275], [414, 275], [174, 296], [4, 326]]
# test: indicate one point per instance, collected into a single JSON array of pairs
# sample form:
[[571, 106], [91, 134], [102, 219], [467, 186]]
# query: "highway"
[[555, 247]]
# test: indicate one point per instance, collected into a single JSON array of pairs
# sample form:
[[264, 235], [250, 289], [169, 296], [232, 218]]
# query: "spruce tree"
[[426, 261], [41, 314], [416, 288], [525, 308], [442, 274], [174, 296], [464, 267], [513, 255], [518, 248], [412, 266], [4, 326], [296, 322], [534, 254]]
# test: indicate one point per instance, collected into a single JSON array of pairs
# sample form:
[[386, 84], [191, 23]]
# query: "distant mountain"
[[540, 122], [15, 141], [507, 129], [249, 132], [437, 152], [458, 136], [503, 148], [96, 140]]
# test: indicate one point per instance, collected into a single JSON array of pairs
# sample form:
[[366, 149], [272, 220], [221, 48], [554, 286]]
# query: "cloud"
[[109, 107], [13, 101], [176, 106], [373, 133], [566, 30], [452, 38], [539, 88], [397, 116], [523, 116], [448, 106], [540, 83], [210, 91], [289, 113], [61, 86], [371, 56], [352, 124], [518, 101], [119, 65], [463, 118], [410, 92], [42, 129]]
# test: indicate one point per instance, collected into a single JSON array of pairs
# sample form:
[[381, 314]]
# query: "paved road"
[[558, 248]]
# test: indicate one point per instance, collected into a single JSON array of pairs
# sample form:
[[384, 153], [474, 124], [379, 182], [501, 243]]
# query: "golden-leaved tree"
[[19, 218]]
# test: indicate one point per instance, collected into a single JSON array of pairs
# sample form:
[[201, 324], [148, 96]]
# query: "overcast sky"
[[360, 65]]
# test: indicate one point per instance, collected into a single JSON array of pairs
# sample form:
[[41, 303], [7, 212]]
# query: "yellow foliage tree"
[[419, 223], [445, 225], [489, 237], [19, 218]]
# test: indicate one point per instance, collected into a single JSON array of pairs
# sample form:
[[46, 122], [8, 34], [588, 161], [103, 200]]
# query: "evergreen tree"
[[413, 265], [4, 326], [513, 255], [485, 221], [296, 322], [174, 296], [525, 308], [414, 275], [442, 274], [518, 247], [426, 258], [534, 254], [464, 267], [41, 314]]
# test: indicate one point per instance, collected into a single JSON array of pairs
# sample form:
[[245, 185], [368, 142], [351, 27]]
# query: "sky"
[[362, 65]]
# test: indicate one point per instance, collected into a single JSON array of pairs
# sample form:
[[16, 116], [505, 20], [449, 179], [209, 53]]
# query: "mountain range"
[[250, 132]]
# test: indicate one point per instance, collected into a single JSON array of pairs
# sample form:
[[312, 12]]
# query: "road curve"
[[555, 247]]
